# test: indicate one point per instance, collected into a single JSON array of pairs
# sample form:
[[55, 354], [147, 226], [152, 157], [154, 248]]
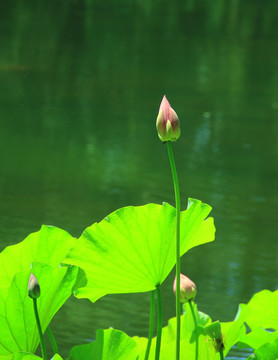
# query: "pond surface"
[[81, 83]]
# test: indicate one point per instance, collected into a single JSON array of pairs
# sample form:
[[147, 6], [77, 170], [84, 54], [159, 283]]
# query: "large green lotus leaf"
[[226, 333], [233, 330], [109, 344], [257, 338], [27, 356], [17, 321], [263, 310], [49, 245], [206, 332], [188, 335], [187, 345], [142, 346], [133, 249], [188, 327], [268, 351]]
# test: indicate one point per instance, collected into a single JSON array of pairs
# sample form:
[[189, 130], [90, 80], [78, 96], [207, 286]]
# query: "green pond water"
[[80, 87]]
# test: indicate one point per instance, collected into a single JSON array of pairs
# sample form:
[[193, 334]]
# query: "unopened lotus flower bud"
[[33, 287], [187, 288], [167, 122]]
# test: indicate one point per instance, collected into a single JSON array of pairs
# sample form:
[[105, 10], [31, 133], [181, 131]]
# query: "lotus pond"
[[81, 83]]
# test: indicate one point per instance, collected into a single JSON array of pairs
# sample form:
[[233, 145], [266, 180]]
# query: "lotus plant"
[[168, 128], [187, 294], [34, 293]]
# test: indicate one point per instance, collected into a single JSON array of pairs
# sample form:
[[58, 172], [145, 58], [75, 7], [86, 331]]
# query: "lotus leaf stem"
[[196, 327], [177, 199], [221, 354], [159, 322], [151, 325], [43, 349], [52, 340]]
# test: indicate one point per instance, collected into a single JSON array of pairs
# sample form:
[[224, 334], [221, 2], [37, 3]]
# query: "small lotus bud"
[[33, 287], [167, 122], [187, 288]]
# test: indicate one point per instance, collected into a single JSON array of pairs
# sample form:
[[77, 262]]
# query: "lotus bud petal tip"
[[167, 122], [33, 287], [187, 289]]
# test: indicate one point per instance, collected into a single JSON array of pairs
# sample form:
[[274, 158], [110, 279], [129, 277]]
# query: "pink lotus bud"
[[187, 288], [33, 287], [167, 122]]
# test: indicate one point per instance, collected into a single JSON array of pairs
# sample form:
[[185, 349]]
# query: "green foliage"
[[268, 351], [25, 356], [207, 332], [133, 249], [48, 246], [109, 344], [28, 356], [261, 314], [17, 321], [42, 251], [233, 330], [257, 338]]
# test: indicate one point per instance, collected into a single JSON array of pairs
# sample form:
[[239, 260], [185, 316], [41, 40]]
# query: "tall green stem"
[[221, 354], [177, 199], [151, 325], [43, 349], [159, 322], [195, 323], [52, 340]]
